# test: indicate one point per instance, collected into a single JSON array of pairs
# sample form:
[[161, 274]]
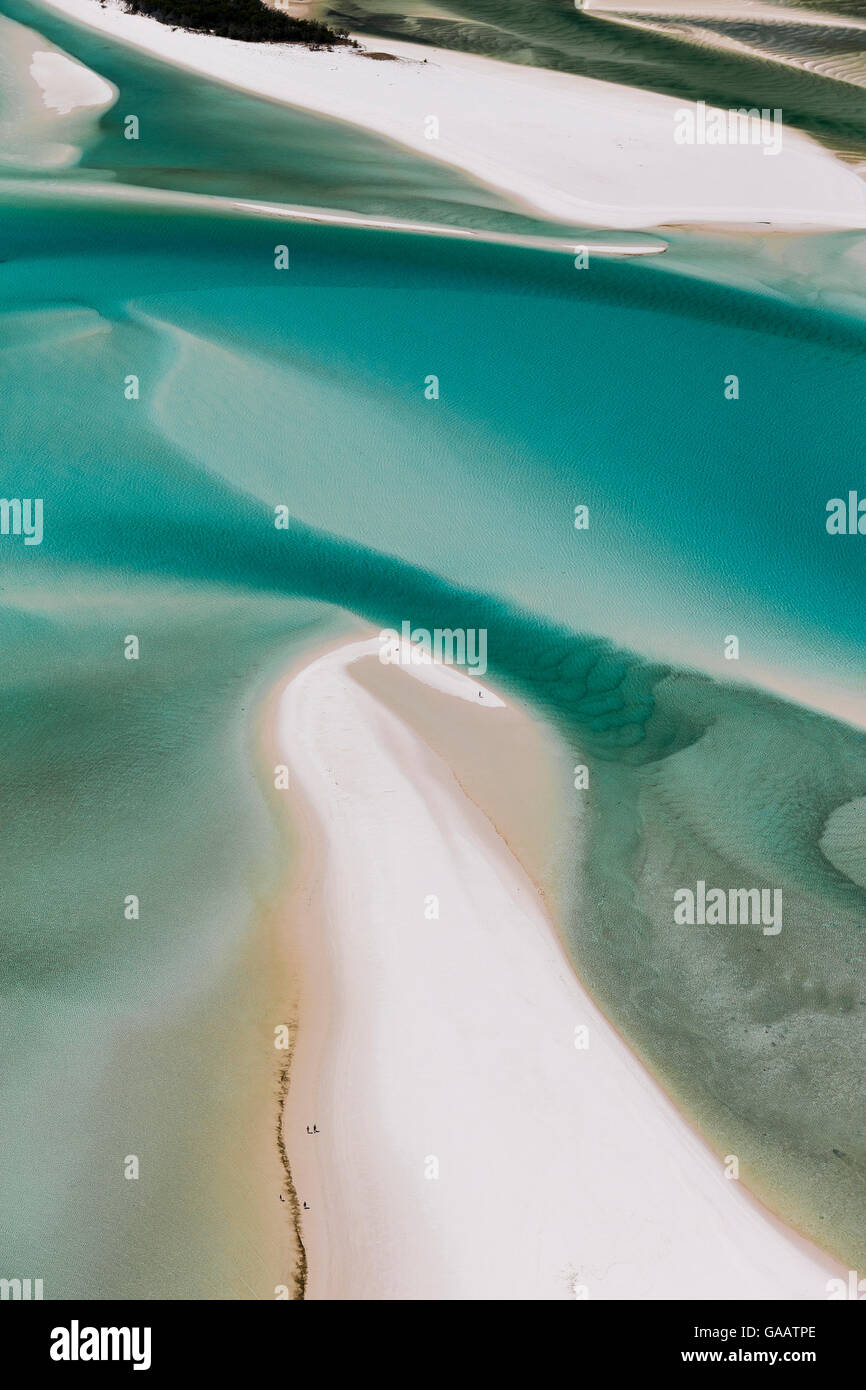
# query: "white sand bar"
[[67, 86], [448, 1046], [568, 148]]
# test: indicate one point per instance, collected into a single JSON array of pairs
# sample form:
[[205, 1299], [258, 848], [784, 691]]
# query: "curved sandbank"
[[448, 1136], [568, 148], [51, 102]]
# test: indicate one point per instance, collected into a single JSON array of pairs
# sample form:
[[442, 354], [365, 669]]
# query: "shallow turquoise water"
[[555, 389], [306, 388]]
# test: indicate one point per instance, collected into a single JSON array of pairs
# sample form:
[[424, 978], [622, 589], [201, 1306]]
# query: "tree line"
[[249, 20]]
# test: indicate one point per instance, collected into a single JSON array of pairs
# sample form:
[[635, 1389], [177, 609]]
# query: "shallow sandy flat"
[[462, 1145]]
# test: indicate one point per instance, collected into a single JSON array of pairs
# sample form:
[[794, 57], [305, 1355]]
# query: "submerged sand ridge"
[[478, 1128]]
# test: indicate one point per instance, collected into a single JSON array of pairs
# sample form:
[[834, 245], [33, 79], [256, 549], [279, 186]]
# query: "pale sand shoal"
[[453, 1039], [49, 102], [68, 86]]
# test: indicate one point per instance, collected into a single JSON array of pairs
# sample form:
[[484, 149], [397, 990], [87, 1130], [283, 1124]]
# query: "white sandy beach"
[[572, 149], [562, 1173]]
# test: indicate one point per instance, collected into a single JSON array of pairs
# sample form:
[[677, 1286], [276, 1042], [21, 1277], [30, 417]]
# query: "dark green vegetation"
[[250, 20]]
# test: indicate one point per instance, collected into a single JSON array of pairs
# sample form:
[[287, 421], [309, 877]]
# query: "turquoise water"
[[306, 388]]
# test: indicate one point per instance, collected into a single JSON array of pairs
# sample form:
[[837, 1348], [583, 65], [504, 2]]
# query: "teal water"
[[306, 388]]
